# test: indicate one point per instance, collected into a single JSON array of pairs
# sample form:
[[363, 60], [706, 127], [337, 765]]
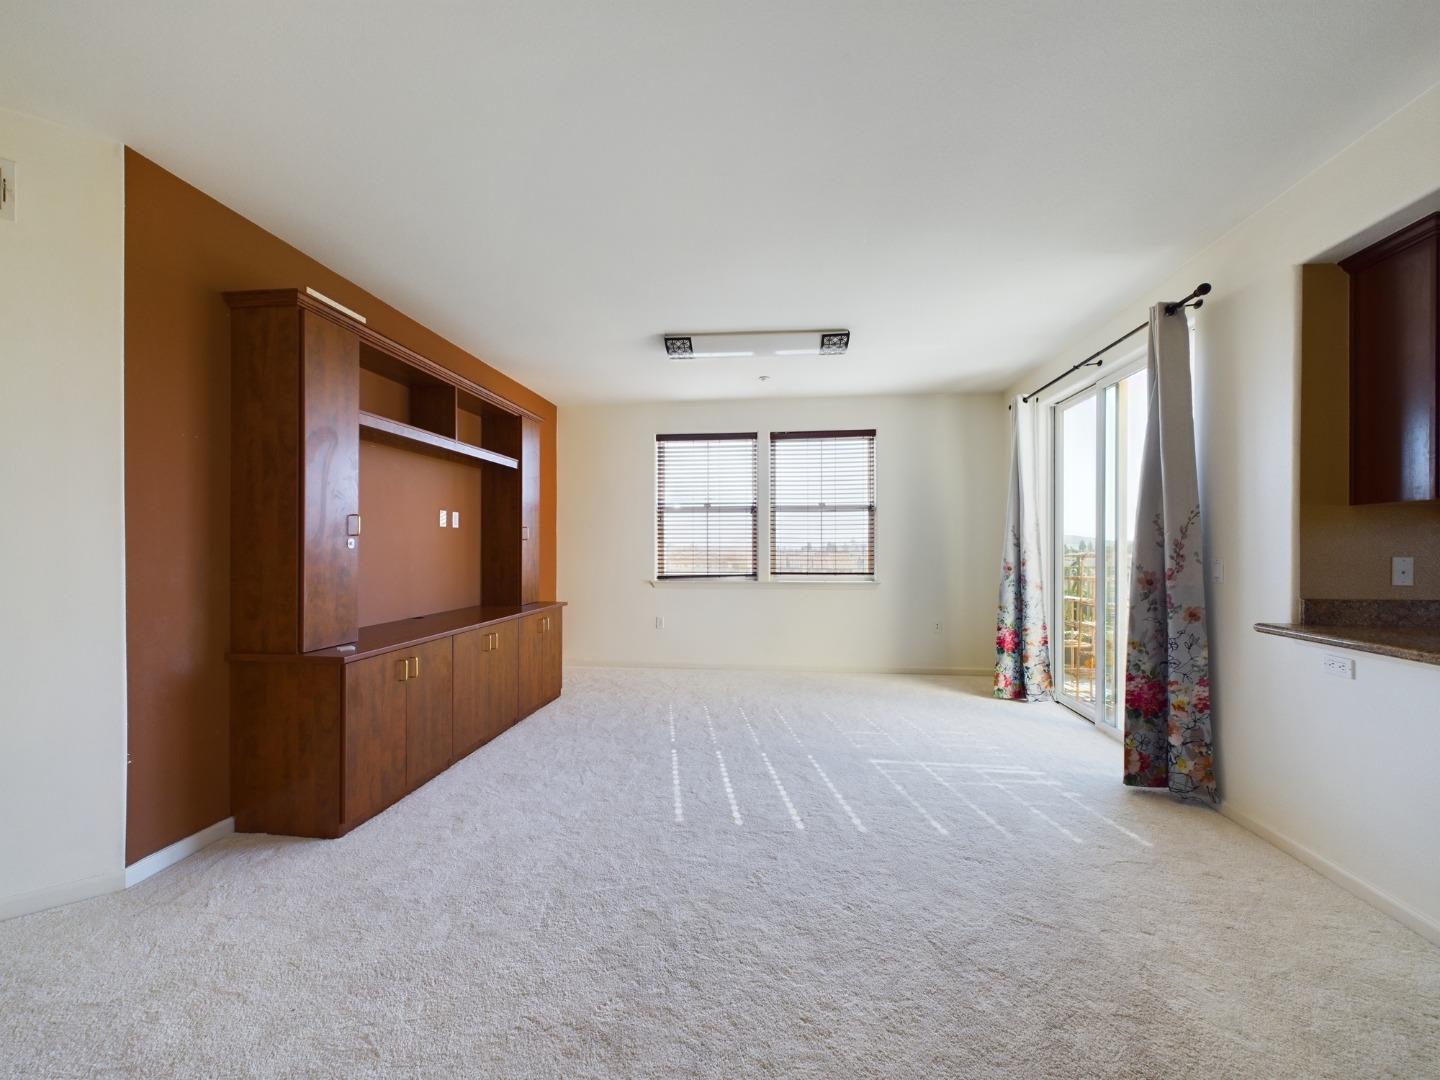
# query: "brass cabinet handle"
[[495, 642], [416, 661], [404, 670]]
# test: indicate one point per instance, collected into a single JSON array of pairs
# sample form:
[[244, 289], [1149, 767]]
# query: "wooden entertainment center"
[[385, 618]]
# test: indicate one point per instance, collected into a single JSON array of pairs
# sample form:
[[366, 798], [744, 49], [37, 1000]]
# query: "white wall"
[[940, 489], [62, 622], [1341, 774]]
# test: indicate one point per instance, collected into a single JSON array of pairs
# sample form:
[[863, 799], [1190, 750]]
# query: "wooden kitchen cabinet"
[[1395, 366]]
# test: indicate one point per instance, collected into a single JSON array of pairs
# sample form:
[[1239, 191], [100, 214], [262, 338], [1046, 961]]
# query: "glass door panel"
[[1099, 437], [1077, 439]]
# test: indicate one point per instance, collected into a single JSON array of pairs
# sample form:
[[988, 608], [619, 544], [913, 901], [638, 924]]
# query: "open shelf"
[[410, 437], [480, 423]]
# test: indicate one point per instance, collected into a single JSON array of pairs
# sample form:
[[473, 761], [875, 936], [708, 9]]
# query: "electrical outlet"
[[659, 622], [444, 518], [1342, 667], [7, 190], [939, 627], [1217, 569], [454, 519], [1402, 570]]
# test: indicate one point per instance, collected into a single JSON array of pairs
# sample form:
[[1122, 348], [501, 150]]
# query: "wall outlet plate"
[[7, 190], [659, 622], [1402, 570], [444, 518], [1342, 667]]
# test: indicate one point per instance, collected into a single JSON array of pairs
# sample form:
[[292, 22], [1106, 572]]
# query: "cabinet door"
[[1395, 367], [374, 757], [485, 685], [504, 686], [531, 649], [552, 636], [530, 511], [330, 484], [428, 727]]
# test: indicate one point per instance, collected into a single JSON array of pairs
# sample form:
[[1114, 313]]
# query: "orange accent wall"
[[182, 250], [410, 566]]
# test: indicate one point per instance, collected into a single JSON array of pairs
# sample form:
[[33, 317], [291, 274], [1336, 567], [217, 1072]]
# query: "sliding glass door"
[[1099, 436]]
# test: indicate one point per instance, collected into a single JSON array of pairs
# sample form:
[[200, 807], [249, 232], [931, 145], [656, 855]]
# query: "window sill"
[[792, 582]]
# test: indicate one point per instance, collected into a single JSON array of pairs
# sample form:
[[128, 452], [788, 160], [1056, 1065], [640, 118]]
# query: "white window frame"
[[763, 575]]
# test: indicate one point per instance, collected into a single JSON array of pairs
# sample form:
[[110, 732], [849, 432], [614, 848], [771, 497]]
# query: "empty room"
[[674, 539]]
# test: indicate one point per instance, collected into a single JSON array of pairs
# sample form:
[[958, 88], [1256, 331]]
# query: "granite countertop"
[[1406, 629], [1405, 642]]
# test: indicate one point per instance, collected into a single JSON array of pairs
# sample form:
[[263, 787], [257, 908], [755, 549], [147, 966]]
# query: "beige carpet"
[[688, 874]]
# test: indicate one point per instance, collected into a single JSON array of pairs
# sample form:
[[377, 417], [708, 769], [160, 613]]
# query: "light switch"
[[1402, 570], [444, 518], [454, 519], [7, 190]]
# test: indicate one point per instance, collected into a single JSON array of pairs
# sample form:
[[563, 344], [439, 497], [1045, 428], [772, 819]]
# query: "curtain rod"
[[1200, 290]]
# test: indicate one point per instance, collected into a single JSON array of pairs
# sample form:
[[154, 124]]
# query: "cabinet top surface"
[[387, 637]]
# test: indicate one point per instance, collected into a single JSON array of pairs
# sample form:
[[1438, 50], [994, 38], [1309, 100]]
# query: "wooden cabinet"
[[294, 475], [375, 736], [324, 741], [331, 721], [487, 672], [540, 660], [429, 747], [397, 725], [1395, 366]]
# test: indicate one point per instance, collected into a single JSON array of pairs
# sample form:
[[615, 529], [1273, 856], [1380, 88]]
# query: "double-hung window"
[[822, 503], [706, 506]]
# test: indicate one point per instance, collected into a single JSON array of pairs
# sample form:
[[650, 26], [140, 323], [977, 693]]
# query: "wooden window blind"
[[822, 503], [706, 506]]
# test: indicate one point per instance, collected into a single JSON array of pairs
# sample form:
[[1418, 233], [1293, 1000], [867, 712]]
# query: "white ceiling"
[[554, 184]]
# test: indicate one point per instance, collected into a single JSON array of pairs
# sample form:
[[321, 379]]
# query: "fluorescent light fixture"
[[758, 343]]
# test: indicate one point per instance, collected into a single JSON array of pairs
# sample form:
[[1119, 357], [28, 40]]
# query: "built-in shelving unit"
[[333, 721]]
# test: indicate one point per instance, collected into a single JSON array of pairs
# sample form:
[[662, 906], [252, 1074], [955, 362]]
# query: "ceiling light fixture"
[[760, 343]]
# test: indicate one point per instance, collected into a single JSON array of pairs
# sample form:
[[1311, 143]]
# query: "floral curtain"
[[1022, 639], [1167, 664]]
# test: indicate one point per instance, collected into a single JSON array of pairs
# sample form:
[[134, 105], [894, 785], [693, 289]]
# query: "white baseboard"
[[1422, 924], [168, 856], [667, 666], [66, 893]]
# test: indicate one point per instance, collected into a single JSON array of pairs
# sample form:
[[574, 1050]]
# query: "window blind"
[[822, 502], [705, 506]]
